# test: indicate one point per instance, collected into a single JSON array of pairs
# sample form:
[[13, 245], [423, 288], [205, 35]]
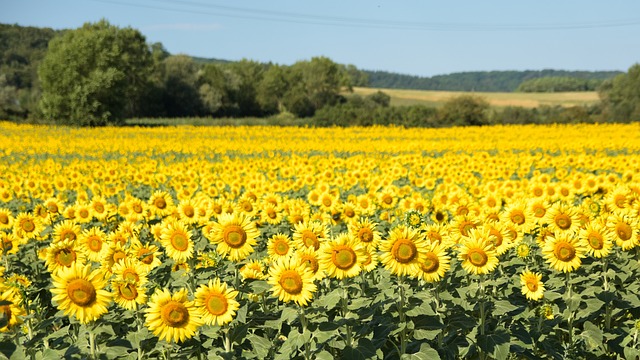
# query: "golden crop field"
[[497, 99], [502, 242]]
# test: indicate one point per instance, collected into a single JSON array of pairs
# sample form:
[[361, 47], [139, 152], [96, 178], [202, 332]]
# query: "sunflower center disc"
[[532, 286], [68, 235], [179, 241], [624, 231], [565, 252], [145, 256], [128, 291], [291, 282], [310, 239], [66, 257], [595, 241], [431, 264], [404, 251], [281, 248], [478, 257], [160, 203], [189, 211], [28, 226], [563, 221], [517, 218], [365, 235], [234, 236], [344, 258], [95, 244], [4, 219], [81, 292], [131, 276], [216, 304], [175, 314]]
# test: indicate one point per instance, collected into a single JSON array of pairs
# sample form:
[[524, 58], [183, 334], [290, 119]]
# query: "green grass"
[[528, 100]]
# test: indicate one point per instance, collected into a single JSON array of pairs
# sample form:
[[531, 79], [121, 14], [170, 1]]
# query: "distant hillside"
[[491, 81]]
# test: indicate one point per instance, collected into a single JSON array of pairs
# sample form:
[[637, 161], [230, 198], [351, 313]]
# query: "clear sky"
[[417, 37]]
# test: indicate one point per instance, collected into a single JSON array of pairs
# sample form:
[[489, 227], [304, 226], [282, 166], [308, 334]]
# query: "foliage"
[[94, 75], [489, 81], [558, 84], [621, 96], [465, 110]]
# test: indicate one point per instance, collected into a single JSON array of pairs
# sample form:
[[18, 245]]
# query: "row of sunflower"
[[274, 250]]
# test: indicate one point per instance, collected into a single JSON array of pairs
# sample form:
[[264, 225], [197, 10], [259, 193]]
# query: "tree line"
[[102, 74]]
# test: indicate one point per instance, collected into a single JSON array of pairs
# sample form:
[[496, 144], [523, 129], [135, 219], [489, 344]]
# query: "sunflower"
[[404, 251], [461, 227], [624, 226], [66, 230], [99, 207], [6, 218], [477, 253], [130, 270], [365, 204], [437, 233], [597, 239], [114, 254], [176, 240], [310, 259], [387, 198], [291, 281], [11, 313], [172, 317], [436, 263], [216, 302], [563, 252], [27, 226], [532, 286], [187, 211], [371, 260], [9, 243], [366, 232], [83, 212], [310, 234], [161, 203], [503, 239], [53, 206], [92, 242], [562, 218], [78, 291], [253, 270], [279, 245], [235, 236], [271, 214], [342, 256], [519, 215], [63, 254], [128, 295]]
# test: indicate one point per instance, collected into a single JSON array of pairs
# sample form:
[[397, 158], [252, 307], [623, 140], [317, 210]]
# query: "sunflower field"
[[502, 242]]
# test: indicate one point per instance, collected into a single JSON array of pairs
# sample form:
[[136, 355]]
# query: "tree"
[[94, 75], [179, 76], [273, 88], [621, 96], [465, 110]]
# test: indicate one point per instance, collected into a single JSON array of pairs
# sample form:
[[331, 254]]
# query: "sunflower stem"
[[402, 317], [227, 341], [482, 311], [345, 310], [92, 344], [304, 322], [569, 295]]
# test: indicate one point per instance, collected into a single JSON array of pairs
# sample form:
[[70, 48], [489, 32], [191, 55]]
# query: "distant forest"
[[492, 81]]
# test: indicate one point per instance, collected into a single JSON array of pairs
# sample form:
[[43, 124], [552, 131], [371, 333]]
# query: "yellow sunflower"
[[625, 226], [147, 254], [27, 226], [562, 218], [9, 243], [291, 281], [79, 292], [172, 317], [128, 295], [519, 215], [66, 230], [404, 251], [6, 218], [235, 236], [366, 232], [11, 314], [436, 263], [563, 252], [63, 254], [92, 242], [279, 245], [176, 240], [216, 302], [342, 256], [310, 259], [532, 286], [130, 270], [310, 234], [477, 253], [597, 239], [253, 270], [270, 214], [161, 203], [371, 259]]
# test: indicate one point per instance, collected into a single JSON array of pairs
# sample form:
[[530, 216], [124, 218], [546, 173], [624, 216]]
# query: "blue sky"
[[416, 37]]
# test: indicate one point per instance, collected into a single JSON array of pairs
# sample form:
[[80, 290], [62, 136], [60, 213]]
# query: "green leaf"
[[324, 355], [504, 307], [421, 334], [496, 343], [593, 336], [241, 315], [330, 300], [423, 309], [260, 345], [426, 352], [363, 350], [289, 314], [259, 286]]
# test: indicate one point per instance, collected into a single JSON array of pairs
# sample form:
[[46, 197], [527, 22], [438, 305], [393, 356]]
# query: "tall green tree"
[[179, 74], [465, 110], [94, 75], [621, 96]]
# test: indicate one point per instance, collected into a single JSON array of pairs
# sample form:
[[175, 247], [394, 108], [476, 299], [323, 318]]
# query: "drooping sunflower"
[[176, 240], [172, 317], [216, 302], [597, 239], [79, 292], [128, 295], [310, 234], [92, 242], [436, 263], [342, 256], [366, 232], [532, 286], [235, 236], [477, 253], [403, 251], [279, 245], [291, 281], [563, 252]]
